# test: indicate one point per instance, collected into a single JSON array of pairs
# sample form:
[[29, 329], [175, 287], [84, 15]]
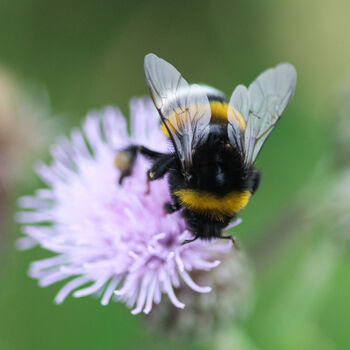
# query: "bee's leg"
[[190, 240], [171, 208], [161, 167], [233, 239], [148, 189], [125, 159], [153, 155]]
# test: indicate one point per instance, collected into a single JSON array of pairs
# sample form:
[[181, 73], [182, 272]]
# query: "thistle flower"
[[111, 240], [229, 301]]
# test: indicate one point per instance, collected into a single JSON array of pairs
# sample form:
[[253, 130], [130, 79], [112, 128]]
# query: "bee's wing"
[[237, 116], [183, 108], [261, 106]]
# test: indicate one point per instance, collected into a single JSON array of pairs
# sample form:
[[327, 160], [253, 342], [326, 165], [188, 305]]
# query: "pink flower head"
[[112, 240]]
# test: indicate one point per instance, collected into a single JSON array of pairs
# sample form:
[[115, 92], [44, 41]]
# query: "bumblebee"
[[215, 142]]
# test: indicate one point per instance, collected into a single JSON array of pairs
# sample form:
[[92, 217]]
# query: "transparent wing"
[[183, 108], [269, 95], [261, 106], [237, 115]]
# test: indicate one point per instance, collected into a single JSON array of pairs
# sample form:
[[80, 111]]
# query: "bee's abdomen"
[[211, 205]]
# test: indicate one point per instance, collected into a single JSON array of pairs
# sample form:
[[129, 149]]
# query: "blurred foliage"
[[89, 54]]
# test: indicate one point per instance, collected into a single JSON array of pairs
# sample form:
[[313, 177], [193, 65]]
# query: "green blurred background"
[[88, 54]]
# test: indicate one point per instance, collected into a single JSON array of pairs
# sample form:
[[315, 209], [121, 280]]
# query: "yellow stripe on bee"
[[165, 130], [218, 115], [216, 207], [238, 119], [175, 121], [218, 111]]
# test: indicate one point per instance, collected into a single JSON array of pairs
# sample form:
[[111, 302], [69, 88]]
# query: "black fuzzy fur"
[[217, 168]]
